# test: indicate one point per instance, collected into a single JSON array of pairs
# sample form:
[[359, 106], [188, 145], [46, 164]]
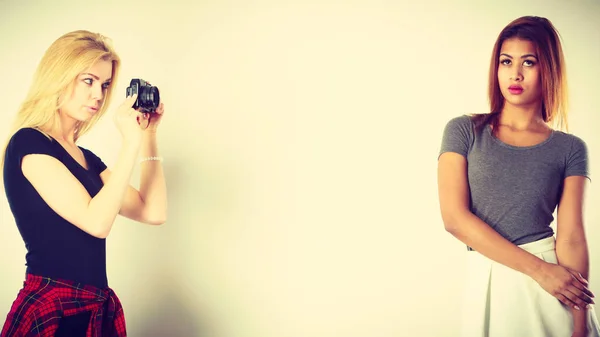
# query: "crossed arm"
[[571, 244], [567, 286]]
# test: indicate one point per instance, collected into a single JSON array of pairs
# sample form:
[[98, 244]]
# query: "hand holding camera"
[[127, 121], [148, 97], [147, 102]]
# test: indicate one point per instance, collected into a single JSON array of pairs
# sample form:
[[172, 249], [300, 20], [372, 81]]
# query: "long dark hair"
[[546, 39]]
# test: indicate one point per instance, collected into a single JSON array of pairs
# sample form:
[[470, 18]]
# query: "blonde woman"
[[501, 175], [63, 197]]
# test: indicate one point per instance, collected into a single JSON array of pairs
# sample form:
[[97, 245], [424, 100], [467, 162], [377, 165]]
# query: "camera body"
[[148, 97]]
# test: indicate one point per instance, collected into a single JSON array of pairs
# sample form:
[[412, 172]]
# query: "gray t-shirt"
[[514, 189]]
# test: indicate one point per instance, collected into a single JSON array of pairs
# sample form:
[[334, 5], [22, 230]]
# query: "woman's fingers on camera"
[[144, 121], [128, 103], [130, 100], [131, 114]]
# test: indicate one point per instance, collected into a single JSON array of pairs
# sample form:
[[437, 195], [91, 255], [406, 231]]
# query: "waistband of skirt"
[[540, 246], [536, 247]]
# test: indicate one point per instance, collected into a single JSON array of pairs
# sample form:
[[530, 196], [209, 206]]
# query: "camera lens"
[[149, 97]]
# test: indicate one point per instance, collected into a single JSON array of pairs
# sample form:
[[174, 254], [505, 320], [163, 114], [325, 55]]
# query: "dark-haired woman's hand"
[[566, 285], [580, 332]]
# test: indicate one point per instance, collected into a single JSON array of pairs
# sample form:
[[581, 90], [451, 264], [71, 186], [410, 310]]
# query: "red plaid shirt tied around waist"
[[43, 301]]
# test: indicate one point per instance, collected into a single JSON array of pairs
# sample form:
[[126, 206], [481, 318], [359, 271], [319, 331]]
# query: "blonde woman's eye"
[[105, 86], [88, 81]]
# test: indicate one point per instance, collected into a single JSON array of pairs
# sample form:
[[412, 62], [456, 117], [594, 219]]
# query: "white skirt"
[[502, 302]]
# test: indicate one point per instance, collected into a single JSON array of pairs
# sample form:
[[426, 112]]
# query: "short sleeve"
[[28, 141], [457, 136], [96, 164], [577, 161]]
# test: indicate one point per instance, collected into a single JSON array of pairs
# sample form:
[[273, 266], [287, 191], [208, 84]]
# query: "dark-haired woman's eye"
[[505, 61], [529, 63]]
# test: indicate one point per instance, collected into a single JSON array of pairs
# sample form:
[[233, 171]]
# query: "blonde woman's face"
[[88, 92]]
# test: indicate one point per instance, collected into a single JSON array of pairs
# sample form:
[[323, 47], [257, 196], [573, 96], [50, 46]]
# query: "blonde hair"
[[67, 57]]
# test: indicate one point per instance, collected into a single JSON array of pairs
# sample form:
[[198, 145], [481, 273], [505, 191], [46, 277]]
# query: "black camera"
[[148, 96]]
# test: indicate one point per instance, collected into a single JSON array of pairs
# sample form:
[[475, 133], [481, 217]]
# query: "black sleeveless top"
[[55, 247]]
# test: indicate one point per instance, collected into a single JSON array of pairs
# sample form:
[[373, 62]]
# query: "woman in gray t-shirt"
[[501, 175]]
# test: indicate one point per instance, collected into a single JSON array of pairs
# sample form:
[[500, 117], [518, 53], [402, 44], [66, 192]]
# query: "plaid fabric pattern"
[[43, 301]]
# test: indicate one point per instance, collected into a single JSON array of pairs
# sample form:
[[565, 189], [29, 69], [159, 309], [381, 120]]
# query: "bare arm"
[[153, 188], [571, 244], [69, 199], [470, 229], [149, 204]]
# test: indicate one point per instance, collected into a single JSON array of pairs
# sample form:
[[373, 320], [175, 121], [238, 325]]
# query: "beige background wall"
[[300, 144]]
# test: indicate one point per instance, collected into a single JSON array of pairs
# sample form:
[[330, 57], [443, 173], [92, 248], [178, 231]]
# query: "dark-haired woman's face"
[[519, 73]]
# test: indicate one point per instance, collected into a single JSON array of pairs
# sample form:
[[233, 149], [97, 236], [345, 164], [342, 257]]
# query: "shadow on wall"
[[201, 195], [171, 317]]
